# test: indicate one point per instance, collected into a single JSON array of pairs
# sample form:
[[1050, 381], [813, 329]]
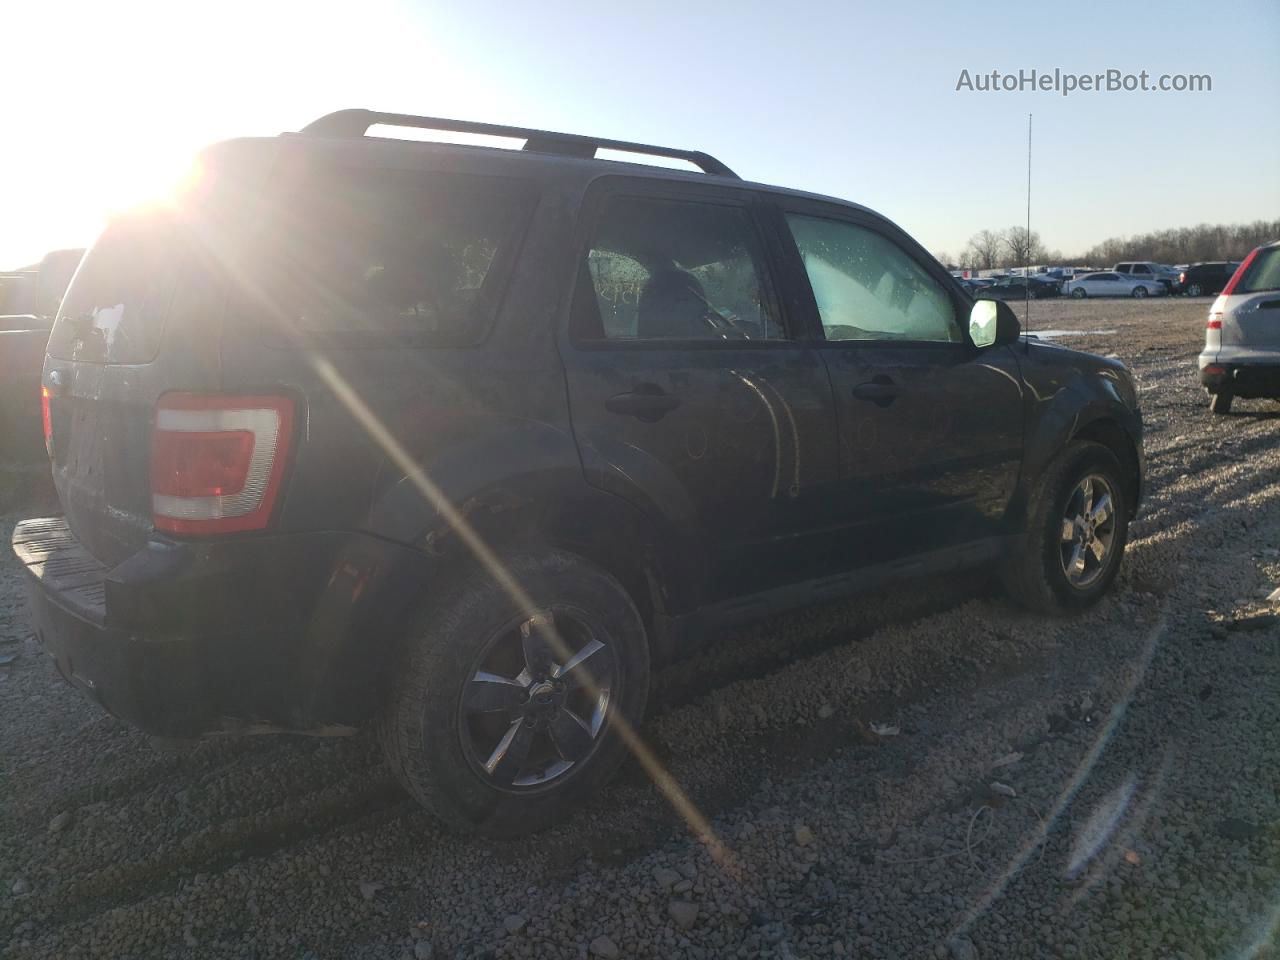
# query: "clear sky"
[[107, 101]]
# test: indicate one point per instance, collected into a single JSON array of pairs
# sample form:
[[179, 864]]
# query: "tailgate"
[[141, 317]]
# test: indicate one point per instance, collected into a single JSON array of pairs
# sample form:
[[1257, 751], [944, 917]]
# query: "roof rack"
[[355, 123]]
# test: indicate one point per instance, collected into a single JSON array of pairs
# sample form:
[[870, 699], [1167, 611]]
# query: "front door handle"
[[881, 391], [647, 402]]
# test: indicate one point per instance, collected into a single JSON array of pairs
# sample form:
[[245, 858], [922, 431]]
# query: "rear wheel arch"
[[601, 528]]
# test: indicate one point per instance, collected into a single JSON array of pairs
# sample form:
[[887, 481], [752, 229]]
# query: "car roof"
[[581, 169], [568, 169]]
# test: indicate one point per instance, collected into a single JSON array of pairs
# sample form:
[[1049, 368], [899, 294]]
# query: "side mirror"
[[992, 323]]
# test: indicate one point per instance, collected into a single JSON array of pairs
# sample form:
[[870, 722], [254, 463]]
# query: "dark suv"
[[458, 441], [1205, 279]]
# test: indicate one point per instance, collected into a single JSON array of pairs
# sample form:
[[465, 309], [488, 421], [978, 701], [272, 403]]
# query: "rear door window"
[[661, 269], [367, 253]]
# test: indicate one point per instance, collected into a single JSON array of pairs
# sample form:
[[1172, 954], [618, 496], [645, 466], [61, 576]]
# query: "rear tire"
[[1078, 293], [1036, 571], [1194, 290], [1220, 402], [442, 730], [1139, 292]]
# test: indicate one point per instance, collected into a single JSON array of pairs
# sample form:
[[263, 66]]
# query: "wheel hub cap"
[[545, 698]]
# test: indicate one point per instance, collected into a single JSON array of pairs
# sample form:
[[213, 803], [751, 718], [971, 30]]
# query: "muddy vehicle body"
[[459, 441]]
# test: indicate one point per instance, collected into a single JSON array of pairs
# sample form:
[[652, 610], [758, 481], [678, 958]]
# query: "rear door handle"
[[881, 391], [647, 402], [1269, 305]]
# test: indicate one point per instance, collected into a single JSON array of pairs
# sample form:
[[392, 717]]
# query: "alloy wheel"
[[536, 704], [1088, 531]]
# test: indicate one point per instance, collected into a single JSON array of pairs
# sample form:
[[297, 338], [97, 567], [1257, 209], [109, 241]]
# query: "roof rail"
[[355, 123]]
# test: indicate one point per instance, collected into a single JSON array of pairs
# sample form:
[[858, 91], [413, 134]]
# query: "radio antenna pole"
[[1026, 269]]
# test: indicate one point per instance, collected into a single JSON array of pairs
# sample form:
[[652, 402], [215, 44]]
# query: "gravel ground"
[[1103, 786]]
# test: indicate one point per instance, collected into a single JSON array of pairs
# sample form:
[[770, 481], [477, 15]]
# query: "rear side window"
[[115, 308], [674, 270], [358, 253], [1263, 274]]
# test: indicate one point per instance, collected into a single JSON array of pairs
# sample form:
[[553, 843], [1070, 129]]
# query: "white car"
[[1111, 284], [1241, 356]]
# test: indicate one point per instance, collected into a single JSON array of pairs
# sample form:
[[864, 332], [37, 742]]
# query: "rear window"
[[115, 309], [360, 254], [1263, 274], [340, 254]]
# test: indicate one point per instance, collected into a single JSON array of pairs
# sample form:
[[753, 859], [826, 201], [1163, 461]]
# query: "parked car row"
[[1138, 278]]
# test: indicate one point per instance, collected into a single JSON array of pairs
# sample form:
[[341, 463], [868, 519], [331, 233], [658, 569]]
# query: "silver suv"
[[1149, 270], [1241, 356]]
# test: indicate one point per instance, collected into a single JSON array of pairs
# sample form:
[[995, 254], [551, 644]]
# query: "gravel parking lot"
[[927, 773]]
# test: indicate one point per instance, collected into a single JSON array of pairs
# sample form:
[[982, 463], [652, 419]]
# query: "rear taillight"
[[1230, 288], [1215, 321], [1182, 278], [46, 420], [217, 461]]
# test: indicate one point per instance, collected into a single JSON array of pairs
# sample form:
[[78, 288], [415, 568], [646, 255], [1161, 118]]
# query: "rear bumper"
[[154, 684], [277, 633], [1241, 378]]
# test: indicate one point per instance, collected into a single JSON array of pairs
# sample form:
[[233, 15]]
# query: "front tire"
[[507, 713], [1077, 528], [1220, 402]]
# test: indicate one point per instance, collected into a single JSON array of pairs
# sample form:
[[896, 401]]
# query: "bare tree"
[[984, 249], [945, 259], [1204, 241], [1022, 248]]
